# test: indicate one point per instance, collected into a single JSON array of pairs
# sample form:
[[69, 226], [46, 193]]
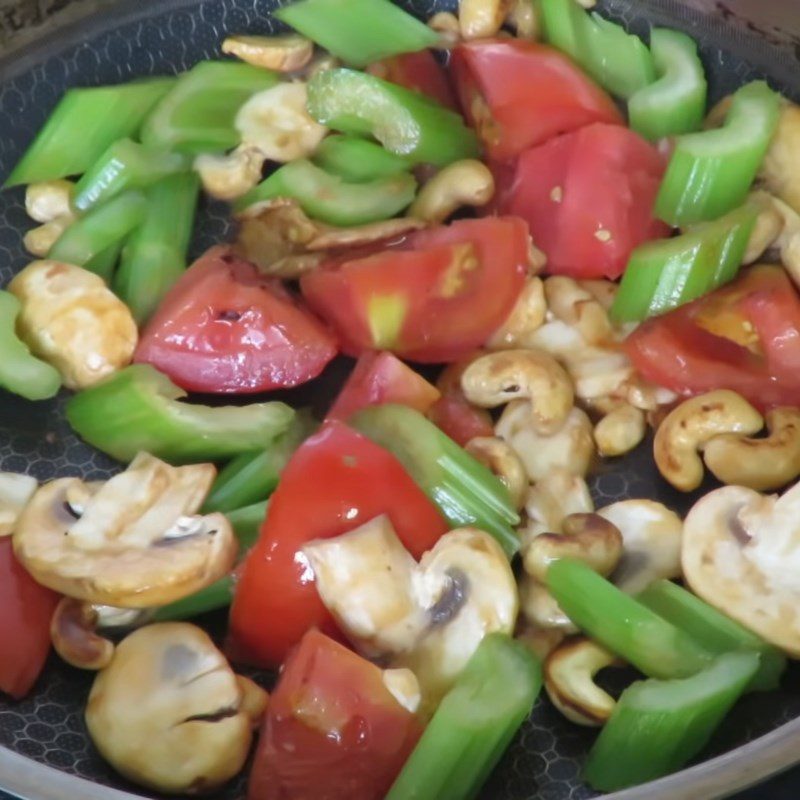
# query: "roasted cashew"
[[575, 305], [777, 228], [779, 171], [690, 426], [761, 464], [49, 200], [498, 378], [40, 240], [462, 183], [447, 26], [481, 18], [642, 394], [286, 53], [523, 17], [569, 680], [228, 177], [527, 316], [504, 462], [768, 227], [541, 609], [586, 537], [540, 641], [620, 430]]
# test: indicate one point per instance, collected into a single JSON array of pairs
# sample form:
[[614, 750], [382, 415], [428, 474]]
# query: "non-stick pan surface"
[[147, 37]]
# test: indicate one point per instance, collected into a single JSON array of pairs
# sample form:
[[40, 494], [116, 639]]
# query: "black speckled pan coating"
[[157, 37]]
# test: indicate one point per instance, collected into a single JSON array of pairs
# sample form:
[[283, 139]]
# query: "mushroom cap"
[[168, 711], [739, 554], [15, 492]]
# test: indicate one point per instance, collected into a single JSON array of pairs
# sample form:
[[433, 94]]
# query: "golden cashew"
[[523, 17], [39, 241], [540, 608], [504, 462], [481, 18], [761, 464], [586, 537], [463, 183], [228, 177], [620, 430], [527, 316], [498, 378], [768, 227], [540, 641], [642, 394], [575, 305], [605, 292], [690, 426], [286, 53], [569, 680], [74, 636], [447, 26], [779, 169], [49, 200]]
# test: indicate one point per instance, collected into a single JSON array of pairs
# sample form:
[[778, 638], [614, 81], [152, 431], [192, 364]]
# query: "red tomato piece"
[[433, 298], [459, 419], [382, 378], [420, 72], [224, 328], [25, 612], [744, 336], [518, 94], [335, 482], [588, 198], [332, 731]]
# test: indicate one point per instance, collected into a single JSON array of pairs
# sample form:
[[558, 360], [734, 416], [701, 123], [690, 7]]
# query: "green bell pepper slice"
[[358, 160], [711, 172], [330, 199], [406, 123], [676, 102], [358, 31], [139, 409], [473, 725], [666, 273], [83, 125], [657, 726], [20, 371], [626, 627]]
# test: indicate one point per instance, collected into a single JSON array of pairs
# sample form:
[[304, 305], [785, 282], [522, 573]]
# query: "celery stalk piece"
[[139, 409], [358, 31], [474, 724], [330, 199], [711, 172], [657, 726], [20, 371], [676, 102], [104, 263], [125, 165], [627, 628], [154, 256], [718, 633], [358, 160], [102, 228], [465, 492], [406, 123], [83, 125], [198, 115], [247, 523]]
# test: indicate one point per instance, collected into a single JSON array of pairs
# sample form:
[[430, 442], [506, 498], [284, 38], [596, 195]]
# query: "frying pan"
[[45, 753]]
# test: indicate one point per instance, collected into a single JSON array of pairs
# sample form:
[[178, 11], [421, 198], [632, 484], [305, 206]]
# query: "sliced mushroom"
[[541, 609], [16, 490], [499, 457], [287, 53], [739, 554], [551, 500], [404, 686], [75, 638], [137, 541], [651, 539], [169, 713], [540, 641]]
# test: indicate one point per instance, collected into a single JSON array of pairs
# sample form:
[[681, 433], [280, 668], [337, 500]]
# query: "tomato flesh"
[[518, 94], [421, 72], [26, 609], [224, 328], [335, 482]]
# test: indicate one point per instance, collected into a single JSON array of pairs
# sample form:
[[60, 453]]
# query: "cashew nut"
[[642, 394], [540, 641], [228, 177], [768, 227], [523, 17], [481, 18], [779, 169], [16, 491], [504, 462], [570, 448], [40, 240], [286, 53], [777, 226], [541, 609], [575, 305], [74, 636], [619, 431], [557, 495], [604, 291], [462, 183], [690, 426], [761, 464], [569, 680], [404, 687], [447, 26], [49, 200], [587, 537], [527, 316], [498, 378]]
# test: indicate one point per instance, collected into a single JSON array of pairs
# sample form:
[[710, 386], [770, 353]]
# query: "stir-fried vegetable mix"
[[422, 560]]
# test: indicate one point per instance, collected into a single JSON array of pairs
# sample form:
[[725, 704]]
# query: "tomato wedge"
[[419, 71], [332, 731], [224, 328], [335, 482], [518, 94], [588, 198], [380, 378], [744, 336], [433, 298], [25, 612]]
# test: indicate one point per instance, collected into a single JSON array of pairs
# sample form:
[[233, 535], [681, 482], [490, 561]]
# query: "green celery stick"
[[358, 160]]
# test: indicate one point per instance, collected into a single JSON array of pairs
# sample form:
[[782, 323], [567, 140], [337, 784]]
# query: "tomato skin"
[[448, 289], [420, 72], [335, 482], [332, 731], [459, 419], [26, 609], [588, 198], [380, 377], [677, 350], [530, 92], [224, 328]]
